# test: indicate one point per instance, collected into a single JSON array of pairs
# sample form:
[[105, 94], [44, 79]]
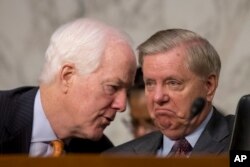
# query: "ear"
[[67, 74], [211, 85]]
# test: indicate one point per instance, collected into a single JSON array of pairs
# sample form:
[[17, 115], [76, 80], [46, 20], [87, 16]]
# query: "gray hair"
[[202, 58], [81, 42]]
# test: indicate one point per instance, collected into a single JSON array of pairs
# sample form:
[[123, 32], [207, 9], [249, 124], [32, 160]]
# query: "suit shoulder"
[[8, 98], [140, 145], [15, 92], [11, 100]]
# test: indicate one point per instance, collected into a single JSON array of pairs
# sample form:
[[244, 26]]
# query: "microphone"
[[197, 107]]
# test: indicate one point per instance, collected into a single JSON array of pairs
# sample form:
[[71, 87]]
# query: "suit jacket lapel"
[[212, 138]]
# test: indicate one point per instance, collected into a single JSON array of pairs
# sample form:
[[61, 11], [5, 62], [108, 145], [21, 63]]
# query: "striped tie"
[[181, 148]]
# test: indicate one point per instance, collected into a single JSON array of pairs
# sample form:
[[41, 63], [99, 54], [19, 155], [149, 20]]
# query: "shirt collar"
[[191, 138], [41, 130]]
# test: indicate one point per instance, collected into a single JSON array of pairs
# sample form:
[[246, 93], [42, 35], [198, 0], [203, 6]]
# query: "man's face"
[[94, 99], [141, 121], [171, 89]]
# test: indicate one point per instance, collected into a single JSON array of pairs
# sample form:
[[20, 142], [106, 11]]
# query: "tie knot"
[[181, 147], [57, 147]]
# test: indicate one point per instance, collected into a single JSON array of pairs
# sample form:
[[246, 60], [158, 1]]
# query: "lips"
[[107, 120], [164, 111]]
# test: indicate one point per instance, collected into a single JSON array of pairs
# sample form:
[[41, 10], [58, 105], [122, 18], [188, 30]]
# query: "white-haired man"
[[89, 67]]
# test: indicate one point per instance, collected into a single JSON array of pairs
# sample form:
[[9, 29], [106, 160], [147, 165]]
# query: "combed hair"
[[202, 58], [81, 42]]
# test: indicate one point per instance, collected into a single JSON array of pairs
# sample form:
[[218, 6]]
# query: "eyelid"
[[172, 81], [110, 89], [147, 81], [174, 84]]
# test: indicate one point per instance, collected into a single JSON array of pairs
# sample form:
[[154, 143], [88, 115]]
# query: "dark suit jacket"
[[215, 139], [16, 119]]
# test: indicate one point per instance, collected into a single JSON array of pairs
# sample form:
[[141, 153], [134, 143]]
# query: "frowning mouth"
[[164, 111]]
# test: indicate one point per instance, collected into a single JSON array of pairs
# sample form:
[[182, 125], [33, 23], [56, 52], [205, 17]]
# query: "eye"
[[149, 84], [174, 84], [110, 89]]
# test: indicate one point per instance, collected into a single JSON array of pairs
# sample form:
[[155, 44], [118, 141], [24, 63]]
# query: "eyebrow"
[[172, 77], [119, 81]]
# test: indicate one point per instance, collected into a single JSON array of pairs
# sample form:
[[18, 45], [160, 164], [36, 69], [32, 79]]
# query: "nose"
[[160, 96], [120, 101]]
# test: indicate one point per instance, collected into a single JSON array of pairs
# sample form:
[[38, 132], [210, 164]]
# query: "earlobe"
[[211, 85], [66, 76]]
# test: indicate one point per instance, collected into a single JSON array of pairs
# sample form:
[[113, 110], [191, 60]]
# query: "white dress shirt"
[[42, 133]]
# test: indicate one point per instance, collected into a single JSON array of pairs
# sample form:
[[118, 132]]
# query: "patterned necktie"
[[57, 148], [181, 148]]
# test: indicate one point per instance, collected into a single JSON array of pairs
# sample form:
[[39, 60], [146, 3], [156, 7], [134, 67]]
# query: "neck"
[[53, 109]]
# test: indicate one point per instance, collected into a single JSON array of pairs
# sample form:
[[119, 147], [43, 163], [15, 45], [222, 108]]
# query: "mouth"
[[107, 120], [164, 111]]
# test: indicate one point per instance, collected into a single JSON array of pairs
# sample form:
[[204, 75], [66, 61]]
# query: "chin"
[[97, 135], [172, 135], [163, 125]]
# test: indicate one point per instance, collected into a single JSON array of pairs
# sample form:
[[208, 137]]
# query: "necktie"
[[181, 148], [57, 148]]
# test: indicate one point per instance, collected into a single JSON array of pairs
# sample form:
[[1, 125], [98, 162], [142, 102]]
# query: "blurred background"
[[26, 26]]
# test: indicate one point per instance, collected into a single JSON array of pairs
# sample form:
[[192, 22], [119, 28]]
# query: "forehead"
[[171, 61], [118, 63]]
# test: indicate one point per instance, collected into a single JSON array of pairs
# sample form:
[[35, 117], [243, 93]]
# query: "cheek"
[[151, 114], [182, 107], [100, 106], [83, 103], [72, 102]]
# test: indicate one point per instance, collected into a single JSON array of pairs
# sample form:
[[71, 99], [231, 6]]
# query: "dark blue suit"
[[16, 119]]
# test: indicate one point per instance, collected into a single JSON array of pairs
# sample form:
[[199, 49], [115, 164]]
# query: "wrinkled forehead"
[[177, 55]]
